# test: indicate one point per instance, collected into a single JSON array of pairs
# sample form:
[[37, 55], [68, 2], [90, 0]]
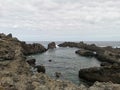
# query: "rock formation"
[[57, 74], [103, 74], [86, 53], [15, 73], [32, 48], [31, 62], [110, 71], [51, 45], [104, 54], [40, 68]]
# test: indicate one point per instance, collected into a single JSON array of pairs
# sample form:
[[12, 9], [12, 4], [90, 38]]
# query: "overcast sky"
[[61, 20]]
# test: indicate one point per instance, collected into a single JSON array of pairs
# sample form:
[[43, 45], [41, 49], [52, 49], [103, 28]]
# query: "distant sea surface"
[[65, 61]]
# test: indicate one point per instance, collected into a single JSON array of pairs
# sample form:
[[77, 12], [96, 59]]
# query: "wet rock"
[[86, 53], [31, 62], [105, 64], [50, 60], [32, 48], [103, 74], [57, 74], [104, 54], [40, 68], [51, 45], [71, 44]]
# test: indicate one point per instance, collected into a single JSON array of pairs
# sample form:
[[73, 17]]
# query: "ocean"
[[65, 61]]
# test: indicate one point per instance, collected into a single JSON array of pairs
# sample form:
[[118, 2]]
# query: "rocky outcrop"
[[82, 45], [103, 74], [7, 50], [86, 53], [104, 54], [51, 45], [104, 86], [71, 44], [108, 72], [15, 74], [9, 35], [58, 74], [40, 68], [32, 48], [31, 62], [105, 64]]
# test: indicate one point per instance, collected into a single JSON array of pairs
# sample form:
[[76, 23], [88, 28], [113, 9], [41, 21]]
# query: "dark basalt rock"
[[32, 48], [51, 45], [9, 35], [40, 68], [109, 71], [103, 74], [105, 64], [86, 53], [57, 74], [50, 60], [71, 44], [82, 45], [104, 54], [31, 62]]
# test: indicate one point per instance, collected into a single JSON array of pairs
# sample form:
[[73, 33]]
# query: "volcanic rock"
[[51, 45], [31, 62], [104, 54], [103, 74], [86, 53], [40, 68], [57, 74], [15, 74], [32, 48]]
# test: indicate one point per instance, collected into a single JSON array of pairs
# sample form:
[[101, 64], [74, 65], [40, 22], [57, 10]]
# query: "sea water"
[[65, 61]]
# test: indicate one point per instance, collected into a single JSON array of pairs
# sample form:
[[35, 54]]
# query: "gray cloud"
[[90, 19]]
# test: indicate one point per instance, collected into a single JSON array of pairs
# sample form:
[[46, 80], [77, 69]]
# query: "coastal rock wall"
[[107, 54], [32, 48], [51, 45], [103, 74], [15, 73]]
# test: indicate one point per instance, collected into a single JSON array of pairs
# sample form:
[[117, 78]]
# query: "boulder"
[[57, 74], [102, 74], [32, 48], [51, 45], [105, 64], [50, 60], [104, 54], [86, 53], [9, 35], [31, 62], [40, 68]]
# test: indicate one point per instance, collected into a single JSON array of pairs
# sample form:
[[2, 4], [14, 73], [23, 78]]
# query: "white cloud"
[[77, 16]]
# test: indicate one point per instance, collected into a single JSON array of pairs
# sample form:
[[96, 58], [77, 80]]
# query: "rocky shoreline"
[[110, 62], [15, 73]]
